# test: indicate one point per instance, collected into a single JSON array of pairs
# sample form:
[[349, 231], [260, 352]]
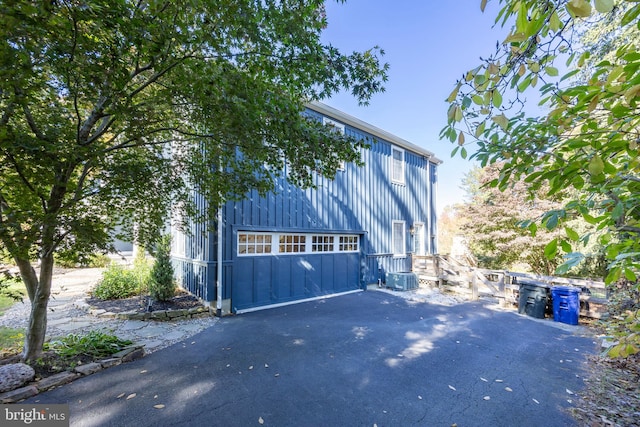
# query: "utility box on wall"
[[401, 281]]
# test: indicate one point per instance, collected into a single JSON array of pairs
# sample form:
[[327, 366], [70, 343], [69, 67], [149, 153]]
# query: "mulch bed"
[[140, 304]]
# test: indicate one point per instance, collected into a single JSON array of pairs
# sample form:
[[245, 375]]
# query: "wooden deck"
[[445, 271]]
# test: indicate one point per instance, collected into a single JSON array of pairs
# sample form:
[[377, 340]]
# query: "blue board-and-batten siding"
[[359, 200]]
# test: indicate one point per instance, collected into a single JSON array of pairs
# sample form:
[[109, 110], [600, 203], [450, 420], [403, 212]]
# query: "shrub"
[[162, 286], [95, 344], [142, 269], [117, 282]]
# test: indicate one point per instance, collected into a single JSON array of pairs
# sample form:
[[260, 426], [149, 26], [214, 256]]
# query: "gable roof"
[[373, 130]]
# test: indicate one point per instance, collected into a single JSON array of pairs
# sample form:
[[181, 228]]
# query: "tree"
[[495, 223], [588, 138], [113, 110], [162, 285]]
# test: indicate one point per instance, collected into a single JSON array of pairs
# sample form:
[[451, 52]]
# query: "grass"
[[7, 301], [11, 340]]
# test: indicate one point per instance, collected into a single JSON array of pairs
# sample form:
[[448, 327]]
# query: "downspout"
[[429, 215], [219, 263], [434, 186]]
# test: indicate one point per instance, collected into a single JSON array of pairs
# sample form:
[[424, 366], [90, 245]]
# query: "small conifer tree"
[[162, 286]]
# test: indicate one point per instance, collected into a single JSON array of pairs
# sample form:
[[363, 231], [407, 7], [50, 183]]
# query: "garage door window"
[[322, 244], [290, 243], [254, 244]]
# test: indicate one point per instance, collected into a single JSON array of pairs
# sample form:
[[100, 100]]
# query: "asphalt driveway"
[[362, 359]]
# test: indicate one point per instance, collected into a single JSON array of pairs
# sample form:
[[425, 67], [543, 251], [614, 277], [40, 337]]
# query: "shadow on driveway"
[[362, 359]]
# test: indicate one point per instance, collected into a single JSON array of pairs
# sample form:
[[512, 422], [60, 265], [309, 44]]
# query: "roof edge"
[[369, 128]]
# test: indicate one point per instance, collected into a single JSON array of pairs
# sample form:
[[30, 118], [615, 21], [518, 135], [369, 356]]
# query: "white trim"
[[419, 227], [339, 128], [283, 304], [392, 166], [404, 238], [308, 243], [348, 119]]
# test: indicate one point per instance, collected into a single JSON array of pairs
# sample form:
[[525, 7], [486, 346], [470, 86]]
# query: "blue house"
[[295, 245]]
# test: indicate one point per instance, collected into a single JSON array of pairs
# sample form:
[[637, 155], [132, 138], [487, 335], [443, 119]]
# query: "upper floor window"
[[397, 165], [337, 127]]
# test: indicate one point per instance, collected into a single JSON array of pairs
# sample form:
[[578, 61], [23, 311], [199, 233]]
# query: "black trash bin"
[[534, 299]]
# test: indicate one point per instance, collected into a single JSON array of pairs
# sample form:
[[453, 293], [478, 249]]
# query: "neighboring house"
[[294, 244]]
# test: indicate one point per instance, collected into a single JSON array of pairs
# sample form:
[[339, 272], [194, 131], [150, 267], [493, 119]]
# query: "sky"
[[429, 45]]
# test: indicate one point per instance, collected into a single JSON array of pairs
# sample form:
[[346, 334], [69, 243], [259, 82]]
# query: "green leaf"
[[551, 249], [579, 8], [630, 15], [572, 234], [497, 98], [551, 71], [630, 275], [454, 93], [552, 221], [604, 6], [501, 121], [596, 165]]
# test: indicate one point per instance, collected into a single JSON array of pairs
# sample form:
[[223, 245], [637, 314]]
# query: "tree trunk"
[[39, 291]]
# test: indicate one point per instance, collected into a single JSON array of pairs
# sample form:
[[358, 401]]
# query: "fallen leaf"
[[120, 395], [483, 379], [569, 391], [452, 387], [487, 398], [536, 401], [158, 406], [131, 396], [508, 388], [260, 420]]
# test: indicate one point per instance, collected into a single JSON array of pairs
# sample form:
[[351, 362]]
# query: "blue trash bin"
[[566, 304]]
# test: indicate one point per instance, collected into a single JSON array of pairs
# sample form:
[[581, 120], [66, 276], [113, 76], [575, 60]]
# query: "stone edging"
[[129, 354], [159, 315]]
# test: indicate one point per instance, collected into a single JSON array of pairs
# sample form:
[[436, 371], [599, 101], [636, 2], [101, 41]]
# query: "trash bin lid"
[[565, 289]]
